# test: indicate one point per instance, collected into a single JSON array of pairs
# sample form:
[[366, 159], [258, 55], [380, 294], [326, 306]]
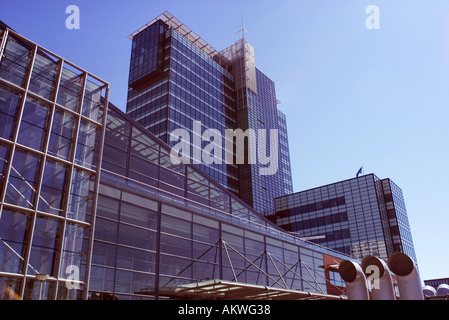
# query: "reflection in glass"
[[13, 234], [69, 89], [80, 201], [9, 288], [134, 259], [69, 293], [15, 61], [39, 290], [86, 149], [62, 134], [4, 156], [133, 282], [33, 125], [23, 179], [101, 279], [74, 252], [44, 246], [9, 106], [43, 75], [52, 189], [138, 215], [91, 103]]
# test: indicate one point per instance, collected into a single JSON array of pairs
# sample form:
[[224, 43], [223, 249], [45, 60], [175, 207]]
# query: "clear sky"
[[352, 96]]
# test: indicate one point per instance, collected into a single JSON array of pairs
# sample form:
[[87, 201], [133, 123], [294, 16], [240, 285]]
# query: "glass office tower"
[[176, 78], [359, 216], [173, 83], [92, 207]]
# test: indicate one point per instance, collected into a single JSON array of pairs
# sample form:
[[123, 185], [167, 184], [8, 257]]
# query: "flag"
[[359, 172]]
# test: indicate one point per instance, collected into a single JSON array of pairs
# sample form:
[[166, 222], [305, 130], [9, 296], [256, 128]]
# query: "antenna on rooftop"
[[243, 30]]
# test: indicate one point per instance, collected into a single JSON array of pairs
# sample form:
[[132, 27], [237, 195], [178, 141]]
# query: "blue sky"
[[352, 96]]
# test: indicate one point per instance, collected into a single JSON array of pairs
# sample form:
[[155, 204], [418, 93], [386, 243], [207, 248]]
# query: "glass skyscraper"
[[92, 207], [176, 79], [360, 216]]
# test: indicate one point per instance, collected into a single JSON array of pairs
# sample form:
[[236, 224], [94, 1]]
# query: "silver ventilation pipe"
[[429, 291], [442, 289], [353, 276], [379, 276], [409, 282]]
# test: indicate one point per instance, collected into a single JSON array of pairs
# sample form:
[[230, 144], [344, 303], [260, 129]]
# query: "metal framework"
[[227, 290], [185, 31], [44, 154], [222, 289]]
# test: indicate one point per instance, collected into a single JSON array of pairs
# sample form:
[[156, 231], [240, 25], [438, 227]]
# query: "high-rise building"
[[92, 207], [178, 81], [360, 216]]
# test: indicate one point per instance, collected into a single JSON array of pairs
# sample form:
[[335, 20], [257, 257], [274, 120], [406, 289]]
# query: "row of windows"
[[203, 92], [34, 124], [188, 251], [317, 222], [325, 204], [24, 183], [203, 75], [146, 53], [138, 98], [195, 54], [14, 67]]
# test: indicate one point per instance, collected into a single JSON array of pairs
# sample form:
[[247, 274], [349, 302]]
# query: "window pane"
[[10, 288], [15, 61], [106, 230], [139, 216], [133, 282], [101, 279], [139, 260], [4, 156], [137, 237], [69, 89], [23, 179], [43, 76], [74, 252], [9, 106], [52, 190], [44, 246], [38, 290], [62, 134], [86, 149], [91, 103], [33, 125], [80, 202], [13, 235], [107, 207]]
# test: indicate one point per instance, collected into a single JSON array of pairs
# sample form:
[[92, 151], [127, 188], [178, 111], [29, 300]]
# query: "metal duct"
[[442, 289], [353, 276], [379, 276], [409, 282], [429, 291]]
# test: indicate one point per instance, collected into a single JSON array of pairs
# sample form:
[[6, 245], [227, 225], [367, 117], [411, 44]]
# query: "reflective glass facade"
[[360, 216], [180, 84], [160, 226], [92, 207], [189, 81], [51, 125], [260, 113]]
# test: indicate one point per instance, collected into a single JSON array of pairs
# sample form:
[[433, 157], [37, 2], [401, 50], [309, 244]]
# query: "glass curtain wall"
[[51, 115], [160, 226]]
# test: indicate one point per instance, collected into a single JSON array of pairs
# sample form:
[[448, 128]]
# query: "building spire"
[[243, 26], [242, 31]]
